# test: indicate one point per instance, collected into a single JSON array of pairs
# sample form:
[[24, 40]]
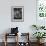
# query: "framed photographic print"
[[17, 13]]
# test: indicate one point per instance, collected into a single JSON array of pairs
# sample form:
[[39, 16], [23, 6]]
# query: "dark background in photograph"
[[17, 13]]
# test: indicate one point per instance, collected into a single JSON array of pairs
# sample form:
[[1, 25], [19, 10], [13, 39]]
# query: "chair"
[[26, 41]]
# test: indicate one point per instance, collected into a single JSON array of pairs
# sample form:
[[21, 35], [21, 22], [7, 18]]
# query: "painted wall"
[[29, 15]]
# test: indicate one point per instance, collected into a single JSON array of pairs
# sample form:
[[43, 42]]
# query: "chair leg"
[[5, 43], [5, 40]]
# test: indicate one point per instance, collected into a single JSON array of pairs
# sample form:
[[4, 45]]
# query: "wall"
[[29, 15]]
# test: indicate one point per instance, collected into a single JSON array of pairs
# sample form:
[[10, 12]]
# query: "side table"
[[8, 34]]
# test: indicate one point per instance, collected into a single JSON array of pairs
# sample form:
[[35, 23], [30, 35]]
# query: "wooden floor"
[[13, 44]]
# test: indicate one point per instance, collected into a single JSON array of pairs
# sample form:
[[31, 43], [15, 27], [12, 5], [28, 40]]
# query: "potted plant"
[[39, 35]]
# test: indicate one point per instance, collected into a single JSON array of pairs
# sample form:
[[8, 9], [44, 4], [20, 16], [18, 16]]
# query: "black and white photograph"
[[17, 13]]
